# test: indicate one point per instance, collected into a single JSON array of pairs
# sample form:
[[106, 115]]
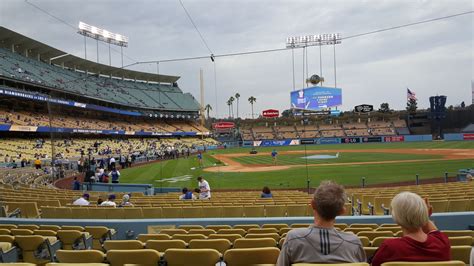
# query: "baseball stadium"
[[114, 164]]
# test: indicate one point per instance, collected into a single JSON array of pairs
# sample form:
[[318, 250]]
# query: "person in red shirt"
[[421, 241]]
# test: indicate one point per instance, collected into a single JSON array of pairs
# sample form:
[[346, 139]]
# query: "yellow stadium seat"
[[370, 251], [99, 234], [233, 211], [254, 243], [332, 264], [44, 232], [49, 212], [185, 257], [276, 226], [254, 211], [145, 237], [300, 225], [230, 237], [365, 241], [241, 232], [213, 211], [431, 263], [122, 245], [80, 256], [458, 205], [188, 237], [391, 229], [30, 244], [79, 212], [246, 227], [373, 234], [70, 237], [451, 233], [50, 227], [172, 212], [358, 225], [376, 242], [132, 213], [172, 232], [357, 230], [163, 245], [220, 245], [439, 205], [262, 230], [192, 212], [137, 257], [462, 253], [72, 227], [275, 210], [267, 235], [205, 232], [217, 227], [189, 227], [31, 227], [461, 240], [296, 210], [251, 256], [152, 212]]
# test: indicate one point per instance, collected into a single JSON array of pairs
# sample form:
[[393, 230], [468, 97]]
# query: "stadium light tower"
[[102, 35], [315, 40]]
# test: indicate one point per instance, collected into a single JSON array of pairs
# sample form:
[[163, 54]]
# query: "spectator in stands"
[[82, 201], [126, 201], [421, 240], [99, 200], [187, 195], [111, 163], [110, 201], [37, 163], [266, 193], [321, 242], [204, 188], [76, 185], [115, 175]]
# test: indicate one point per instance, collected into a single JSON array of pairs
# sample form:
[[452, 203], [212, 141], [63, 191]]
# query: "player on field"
[[274, 156]]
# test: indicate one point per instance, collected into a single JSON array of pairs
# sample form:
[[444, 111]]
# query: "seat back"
[[68, 238], [172, 212], [146, 257], [254, 211], [80, 256], [122, 245], [220, 245], [241, 232], [254, 243], [152, 212], [431, 263], [188, 237], [233, 211], [275, 210], [113, 213], [163, 245], [205, 232], [192, 212], [230, 237], [145, 237], [251, 256], [132, 213], [180, 257]]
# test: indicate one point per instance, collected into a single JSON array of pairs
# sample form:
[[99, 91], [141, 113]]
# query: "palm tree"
[[232, 99], [252, 100], [237, 96], [229, 104], [208, 108]]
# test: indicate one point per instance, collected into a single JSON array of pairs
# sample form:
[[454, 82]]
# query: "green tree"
[[237, 96], [384, 108], [232, 99], [229, 103], [208, 108], [412, 105], [252, 100]]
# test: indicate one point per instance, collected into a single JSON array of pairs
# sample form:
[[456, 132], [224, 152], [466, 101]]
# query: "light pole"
[[315, 40]]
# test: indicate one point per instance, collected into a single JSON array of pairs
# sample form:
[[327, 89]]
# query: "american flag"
[[410, 95]]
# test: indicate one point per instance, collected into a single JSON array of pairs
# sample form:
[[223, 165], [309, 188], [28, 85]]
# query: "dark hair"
[[99, 201], [197, 190], [111, 196], [266, 190], [199, 178], [185, 190], [329, 199]]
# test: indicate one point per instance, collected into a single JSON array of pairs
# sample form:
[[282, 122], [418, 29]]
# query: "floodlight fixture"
[[313, 40], [102, 35]]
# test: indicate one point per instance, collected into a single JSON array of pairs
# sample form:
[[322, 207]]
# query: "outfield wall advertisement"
[[316, 98]]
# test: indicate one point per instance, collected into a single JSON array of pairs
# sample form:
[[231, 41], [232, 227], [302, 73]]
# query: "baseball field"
[[379, 163]]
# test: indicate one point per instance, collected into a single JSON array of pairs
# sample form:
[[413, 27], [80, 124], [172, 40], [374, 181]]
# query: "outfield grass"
[[296, 177]]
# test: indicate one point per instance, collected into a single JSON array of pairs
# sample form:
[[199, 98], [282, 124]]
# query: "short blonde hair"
[[409, 210]]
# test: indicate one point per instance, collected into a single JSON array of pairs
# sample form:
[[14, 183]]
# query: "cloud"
[[430, 59]]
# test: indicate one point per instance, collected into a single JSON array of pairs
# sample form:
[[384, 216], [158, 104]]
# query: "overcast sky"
[[430, 59]]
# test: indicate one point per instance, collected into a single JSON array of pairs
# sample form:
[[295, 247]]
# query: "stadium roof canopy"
[[35, 49]]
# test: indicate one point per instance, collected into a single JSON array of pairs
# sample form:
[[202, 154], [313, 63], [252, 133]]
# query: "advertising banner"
[[270, 143], [223, 125], [394, 139], [350, 140], [469, 136], [307, 141], [270, 113], [328, 141], [316, 98], [364, 108], [372, 139]]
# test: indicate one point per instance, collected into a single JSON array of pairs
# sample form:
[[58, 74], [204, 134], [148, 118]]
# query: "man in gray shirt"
[[321, 242]]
